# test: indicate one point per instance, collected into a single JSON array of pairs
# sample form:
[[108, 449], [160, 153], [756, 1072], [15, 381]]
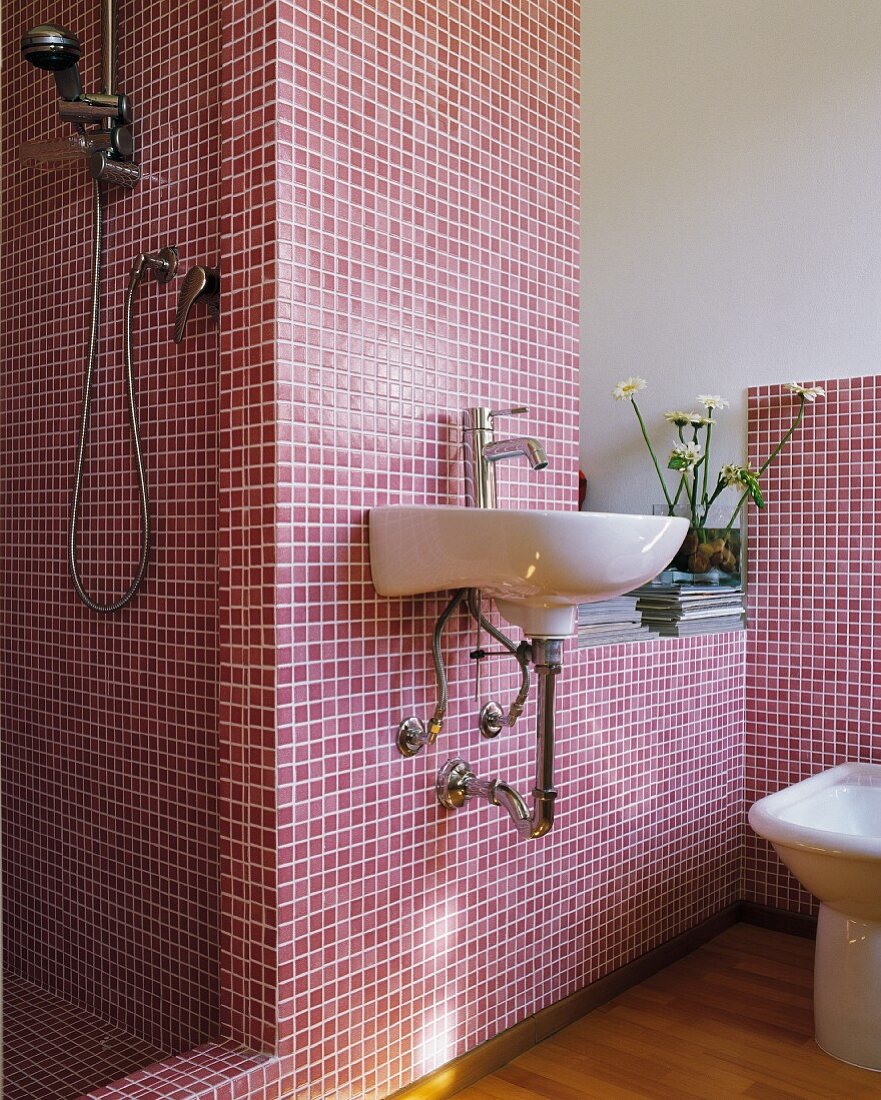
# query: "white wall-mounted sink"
[[536, 565]]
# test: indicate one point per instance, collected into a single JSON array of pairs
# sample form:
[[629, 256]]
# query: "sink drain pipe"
[[457, 784]]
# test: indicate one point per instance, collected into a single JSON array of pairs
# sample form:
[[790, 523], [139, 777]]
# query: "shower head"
[[57, 50]]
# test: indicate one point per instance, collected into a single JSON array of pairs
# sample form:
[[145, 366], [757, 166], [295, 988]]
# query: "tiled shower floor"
[[53, 1050]]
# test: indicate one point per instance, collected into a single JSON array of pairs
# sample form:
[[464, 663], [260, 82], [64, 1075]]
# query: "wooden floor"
[[732, 1019]]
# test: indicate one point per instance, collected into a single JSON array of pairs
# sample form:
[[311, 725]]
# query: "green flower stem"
[[706, 466], [645, 436], [692, 500], [786, 438], [769, 460], [720, 488]]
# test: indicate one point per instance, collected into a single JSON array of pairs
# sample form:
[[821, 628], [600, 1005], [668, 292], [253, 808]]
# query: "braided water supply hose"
[[492, 720]]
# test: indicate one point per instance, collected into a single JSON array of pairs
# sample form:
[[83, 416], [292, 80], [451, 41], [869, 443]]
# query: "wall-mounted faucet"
[[483, 451]]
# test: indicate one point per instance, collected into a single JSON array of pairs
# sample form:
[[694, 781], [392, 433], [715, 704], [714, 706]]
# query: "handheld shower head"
[[57, 50]]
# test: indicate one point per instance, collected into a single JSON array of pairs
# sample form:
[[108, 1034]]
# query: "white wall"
[[732, 211]]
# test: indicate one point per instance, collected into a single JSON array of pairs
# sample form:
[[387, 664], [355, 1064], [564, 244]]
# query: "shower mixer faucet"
[[102, 124], [110, 146]]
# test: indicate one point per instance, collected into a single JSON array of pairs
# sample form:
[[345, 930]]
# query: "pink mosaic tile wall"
[[399, 897], [110, 724], [247, 612], [399, 221], [813, 672], [428, 254], [393, 908]]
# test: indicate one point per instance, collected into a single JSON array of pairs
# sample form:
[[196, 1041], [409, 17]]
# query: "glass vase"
[[710, 554]]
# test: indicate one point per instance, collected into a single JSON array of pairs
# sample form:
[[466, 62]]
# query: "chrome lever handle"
[[201, 284], [518, 410]]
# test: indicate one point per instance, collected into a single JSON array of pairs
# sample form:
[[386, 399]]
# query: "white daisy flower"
[[712, 401], [687, 455], [809, 393], [732, 475], [679, 418], [627, 390]]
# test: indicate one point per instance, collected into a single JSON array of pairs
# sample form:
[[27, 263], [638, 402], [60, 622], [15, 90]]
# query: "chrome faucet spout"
[[528, 447]]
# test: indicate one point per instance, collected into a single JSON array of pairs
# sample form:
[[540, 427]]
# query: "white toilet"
[[827, 830]]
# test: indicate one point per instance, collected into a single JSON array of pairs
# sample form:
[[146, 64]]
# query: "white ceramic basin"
[[537, 565], [827, 830]]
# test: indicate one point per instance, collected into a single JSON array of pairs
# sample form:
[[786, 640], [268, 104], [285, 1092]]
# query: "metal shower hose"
[[97, 248]]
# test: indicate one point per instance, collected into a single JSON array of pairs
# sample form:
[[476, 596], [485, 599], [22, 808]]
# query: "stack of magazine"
[[679, 610], [610, 621]]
